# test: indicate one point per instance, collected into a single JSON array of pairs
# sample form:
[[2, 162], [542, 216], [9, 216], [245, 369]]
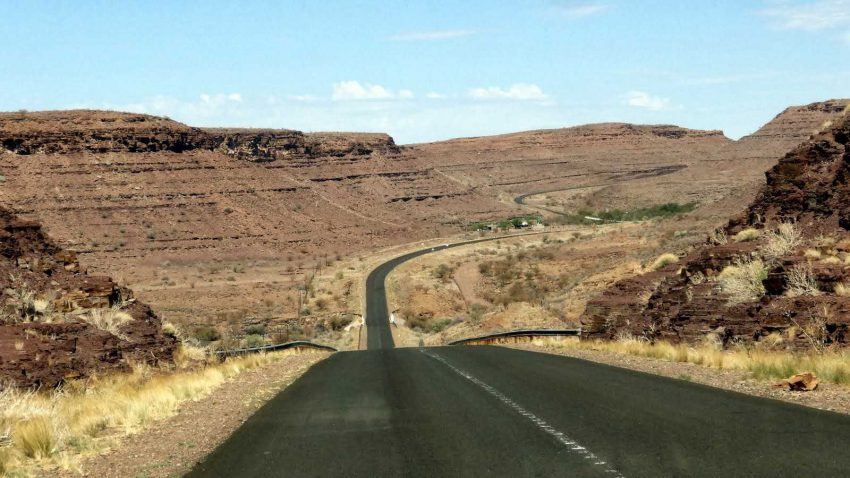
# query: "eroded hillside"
[[60, 323], [224, 226], [777, 273]]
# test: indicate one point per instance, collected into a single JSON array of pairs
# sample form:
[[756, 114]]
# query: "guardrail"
[[272, 348], [518, 334]]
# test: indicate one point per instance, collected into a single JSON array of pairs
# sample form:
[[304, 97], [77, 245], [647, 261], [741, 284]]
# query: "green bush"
[[253, 341], [256, 329], [206, 333], [443, 272], [476, 312]]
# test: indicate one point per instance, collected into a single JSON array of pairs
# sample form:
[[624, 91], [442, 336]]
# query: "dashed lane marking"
[[560, 436]]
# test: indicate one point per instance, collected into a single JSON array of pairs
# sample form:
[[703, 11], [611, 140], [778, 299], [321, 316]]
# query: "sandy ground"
[[830, 397], [172, 447]]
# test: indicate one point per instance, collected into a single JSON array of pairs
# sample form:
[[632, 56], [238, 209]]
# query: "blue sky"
[[428, 70]]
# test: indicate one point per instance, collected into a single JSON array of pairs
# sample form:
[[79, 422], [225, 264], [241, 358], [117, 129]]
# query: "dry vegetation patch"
[[752, 370], [40, 430]]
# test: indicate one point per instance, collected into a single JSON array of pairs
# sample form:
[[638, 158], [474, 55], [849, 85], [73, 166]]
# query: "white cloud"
[[302, 98], [517, 91], [432, 35], [435, 96], [220, 98], [407, 120], [353, 90], [577, 11], [811, 16], [640, 99]]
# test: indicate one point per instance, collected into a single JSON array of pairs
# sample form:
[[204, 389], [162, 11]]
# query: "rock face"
[[83, 131], [36, 353], [809, 188]]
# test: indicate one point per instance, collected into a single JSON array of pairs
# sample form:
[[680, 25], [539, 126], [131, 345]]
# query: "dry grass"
[[719, 237], [110, 319], [746, 235], [801, 281], [813, 254], [842, 289], [664, 260], [761, 362], [742, 282], [783, 240], [39, 430]]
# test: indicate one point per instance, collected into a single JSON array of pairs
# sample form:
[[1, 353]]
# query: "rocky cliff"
[[43, 340], [780, 271], [85, 131]]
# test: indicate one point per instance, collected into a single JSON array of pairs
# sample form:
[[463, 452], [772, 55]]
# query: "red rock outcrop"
[[809, 187], [37, 353]]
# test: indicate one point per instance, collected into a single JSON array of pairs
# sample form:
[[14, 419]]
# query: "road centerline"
[[572, 445]]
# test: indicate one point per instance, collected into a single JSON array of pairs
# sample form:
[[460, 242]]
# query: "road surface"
[[491, 411]]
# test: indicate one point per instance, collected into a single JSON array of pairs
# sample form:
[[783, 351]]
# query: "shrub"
[[518, 292], [747, 235], [255, 329], [170, 330], [801, 281], [743, 281], [664, 260], [443, 272], [476, 312], [253, 340], [339, 322], [321, 304], [782, 241], [206, 333]]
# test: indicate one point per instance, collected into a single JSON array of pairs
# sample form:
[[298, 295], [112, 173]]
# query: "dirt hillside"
[[224, 226], [47, 334]]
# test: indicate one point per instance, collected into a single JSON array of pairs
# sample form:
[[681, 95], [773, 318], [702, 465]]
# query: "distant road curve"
[[625, 177], [378, 333]]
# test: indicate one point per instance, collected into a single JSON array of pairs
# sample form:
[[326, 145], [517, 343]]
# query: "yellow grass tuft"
[[35, 437], [842, 289], [110, 319], [813, 254], [747, 235], [832, 260], [664, 260], [782, 241], [742, 282], [54, 428], [831, 366]]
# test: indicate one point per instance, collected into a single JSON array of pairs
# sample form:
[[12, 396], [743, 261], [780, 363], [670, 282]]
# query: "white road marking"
[[561, 437]]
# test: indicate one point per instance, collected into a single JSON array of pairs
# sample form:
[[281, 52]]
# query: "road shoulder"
[[173, 446], [830, 397]]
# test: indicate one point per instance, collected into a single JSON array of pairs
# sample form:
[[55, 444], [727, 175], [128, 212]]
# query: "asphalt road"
[[378, 333], [489, 411]]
